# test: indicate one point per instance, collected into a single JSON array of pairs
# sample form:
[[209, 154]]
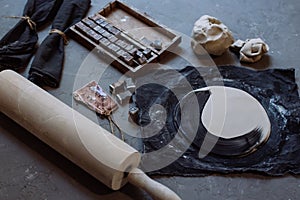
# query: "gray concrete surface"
[[29, 169]]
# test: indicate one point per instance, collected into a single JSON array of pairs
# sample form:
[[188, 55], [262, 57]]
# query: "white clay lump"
[[250, 50], [253, 50], [212, 35]]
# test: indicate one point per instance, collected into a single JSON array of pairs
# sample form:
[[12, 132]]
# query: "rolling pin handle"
[[156, 190]]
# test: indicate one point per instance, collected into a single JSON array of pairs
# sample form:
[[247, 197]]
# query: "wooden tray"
[[135, 28]]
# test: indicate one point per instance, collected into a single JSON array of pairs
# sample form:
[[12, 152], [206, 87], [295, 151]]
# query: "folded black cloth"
[[48, 63], [275, 89], [18, 45]]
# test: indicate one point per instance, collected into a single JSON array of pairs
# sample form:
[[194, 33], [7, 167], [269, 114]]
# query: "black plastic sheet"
[[275, 89], [48, 63], [18, 45]]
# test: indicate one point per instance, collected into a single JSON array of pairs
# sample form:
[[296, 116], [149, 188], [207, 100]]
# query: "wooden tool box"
[[131, 39]]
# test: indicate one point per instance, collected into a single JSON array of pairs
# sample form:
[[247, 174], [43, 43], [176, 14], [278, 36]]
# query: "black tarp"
[[275, 89], [48, 63], [18, 45]]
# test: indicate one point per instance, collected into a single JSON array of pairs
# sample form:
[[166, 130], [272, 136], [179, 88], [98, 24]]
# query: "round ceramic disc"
[[231, 112]]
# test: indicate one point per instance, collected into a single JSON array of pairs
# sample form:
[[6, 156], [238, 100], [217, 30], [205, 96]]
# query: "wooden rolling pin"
[[104, 156]]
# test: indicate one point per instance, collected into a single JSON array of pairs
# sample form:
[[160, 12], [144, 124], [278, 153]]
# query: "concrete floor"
[[29, 169]]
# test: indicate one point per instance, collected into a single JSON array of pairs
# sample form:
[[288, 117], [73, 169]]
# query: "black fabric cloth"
[[275, 89], [18, 45], [48, 62]]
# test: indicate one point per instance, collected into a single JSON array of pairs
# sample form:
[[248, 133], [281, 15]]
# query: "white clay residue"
[[280, 109], [212, 35]]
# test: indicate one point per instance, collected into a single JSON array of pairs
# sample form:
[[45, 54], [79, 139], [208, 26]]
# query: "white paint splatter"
[[32, 176]]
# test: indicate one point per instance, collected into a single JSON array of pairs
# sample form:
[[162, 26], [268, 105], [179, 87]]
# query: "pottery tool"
[[236, 122], [85, 143], [93, 96]]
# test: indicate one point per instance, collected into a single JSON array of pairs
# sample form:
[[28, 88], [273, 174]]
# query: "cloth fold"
[[46, 68], [19, 44]]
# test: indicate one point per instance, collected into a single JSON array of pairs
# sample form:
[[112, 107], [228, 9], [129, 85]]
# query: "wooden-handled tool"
[[104, 156]]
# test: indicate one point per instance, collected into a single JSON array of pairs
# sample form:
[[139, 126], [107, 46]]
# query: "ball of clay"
[[212, 35], [253, 50]]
